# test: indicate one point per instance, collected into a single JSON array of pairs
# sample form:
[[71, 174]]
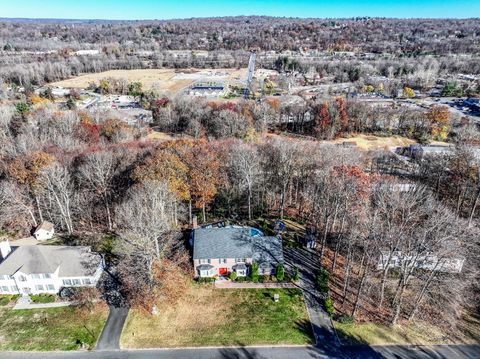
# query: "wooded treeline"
[[92, 177], [402, 36], [317, 118], [415, 52]]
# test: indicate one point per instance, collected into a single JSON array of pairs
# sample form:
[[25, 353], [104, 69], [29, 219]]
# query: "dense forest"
[[404, 37]]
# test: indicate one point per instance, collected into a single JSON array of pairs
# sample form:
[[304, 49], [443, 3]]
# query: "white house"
[[427, 262], [44, 231], [35, 269]]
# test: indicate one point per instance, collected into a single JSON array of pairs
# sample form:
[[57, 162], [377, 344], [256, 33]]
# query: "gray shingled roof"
[[204, 267], [236, 242], [73, 261], [45, 225], [268, 250]]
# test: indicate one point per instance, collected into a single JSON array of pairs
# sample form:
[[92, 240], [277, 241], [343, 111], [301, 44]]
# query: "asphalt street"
[[360, 352]]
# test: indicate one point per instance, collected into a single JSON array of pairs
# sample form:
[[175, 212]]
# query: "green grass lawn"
[[418, 333], [378, 334], [208, 316], [49, 329]]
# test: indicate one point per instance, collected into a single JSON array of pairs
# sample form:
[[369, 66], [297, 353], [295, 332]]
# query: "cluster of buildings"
[[218, 251]]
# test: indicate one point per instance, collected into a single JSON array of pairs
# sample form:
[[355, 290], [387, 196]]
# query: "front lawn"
[[50, 329], [419, 333], [206, 316]]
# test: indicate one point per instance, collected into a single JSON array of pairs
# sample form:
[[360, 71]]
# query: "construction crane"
[[251, 70]]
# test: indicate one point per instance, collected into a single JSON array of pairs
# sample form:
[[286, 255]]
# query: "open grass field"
[[371, 142], [419, 333], [160, 136], [49, 329], [206, 316], [161, 80]]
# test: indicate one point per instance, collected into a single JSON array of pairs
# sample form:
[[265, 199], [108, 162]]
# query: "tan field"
[[370, 142], [161, 80]]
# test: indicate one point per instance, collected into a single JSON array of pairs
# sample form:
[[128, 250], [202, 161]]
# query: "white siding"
[[36, 284]]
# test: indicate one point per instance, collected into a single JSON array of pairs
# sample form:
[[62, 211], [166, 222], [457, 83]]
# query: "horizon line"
[[237, 16]]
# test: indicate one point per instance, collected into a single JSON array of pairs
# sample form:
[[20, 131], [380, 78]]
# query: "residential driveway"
[[110, 337], [364, 352], [308, 264]]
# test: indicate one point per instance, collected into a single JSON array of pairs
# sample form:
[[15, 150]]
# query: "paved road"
[[387, 352], [110, 337]]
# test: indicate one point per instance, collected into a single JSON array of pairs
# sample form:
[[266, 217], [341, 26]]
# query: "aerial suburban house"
[[44, 231], [218, 251], [427, 262], [34, 269]]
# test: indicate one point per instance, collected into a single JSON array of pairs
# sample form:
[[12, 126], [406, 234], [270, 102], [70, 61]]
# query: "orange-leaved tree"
[[439, 120]]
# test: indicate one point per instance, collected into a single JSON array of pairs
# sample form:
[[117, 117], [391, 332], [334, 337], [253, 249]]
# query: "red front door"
[[223, 271]]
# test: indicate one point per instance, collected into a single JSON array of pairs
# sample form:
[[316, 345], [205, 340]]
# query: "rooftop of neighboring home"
[[76, 261], [431, 148], [45, 225], [236, 242]]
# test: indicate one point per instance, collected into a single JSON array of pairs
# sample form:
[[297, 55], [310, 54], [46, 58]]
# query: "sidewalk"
[[226, 284], [26, 303]]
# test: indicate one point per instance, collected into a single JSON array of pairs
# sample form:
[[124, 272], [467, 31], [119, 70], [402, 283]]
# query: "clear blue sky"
[[168, 9]]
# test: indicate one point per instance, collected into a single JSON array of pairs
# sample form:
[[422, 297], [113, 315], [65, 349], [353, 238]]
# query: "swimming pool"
[[255, 232]]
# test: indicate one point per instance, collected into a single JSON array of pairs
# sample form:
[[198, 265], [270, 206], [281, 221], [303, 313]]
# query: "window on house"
[[67, 282], [222, 260], [205, 273], [39, 287], [14, 288], [239, 260], [22, 278], [36, 276], [2, 277], [76, 282], [47, 276], [87, 281], [4, 288], [204, 261], [50, 287]]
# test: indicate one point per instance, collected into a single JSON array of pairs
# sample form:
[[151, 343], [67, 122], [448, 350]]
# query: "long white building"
[[427, 262], [35, 269]]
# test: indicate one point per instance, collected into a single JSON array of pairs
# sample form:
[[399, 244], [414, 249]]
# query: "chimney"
[[194, 222], [5, 248]]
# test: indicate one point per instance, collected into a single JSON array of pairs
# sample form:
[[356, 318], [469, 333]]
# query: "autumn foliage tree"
[[342, 109], [322, 120], [204, 175], [439, 120]]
